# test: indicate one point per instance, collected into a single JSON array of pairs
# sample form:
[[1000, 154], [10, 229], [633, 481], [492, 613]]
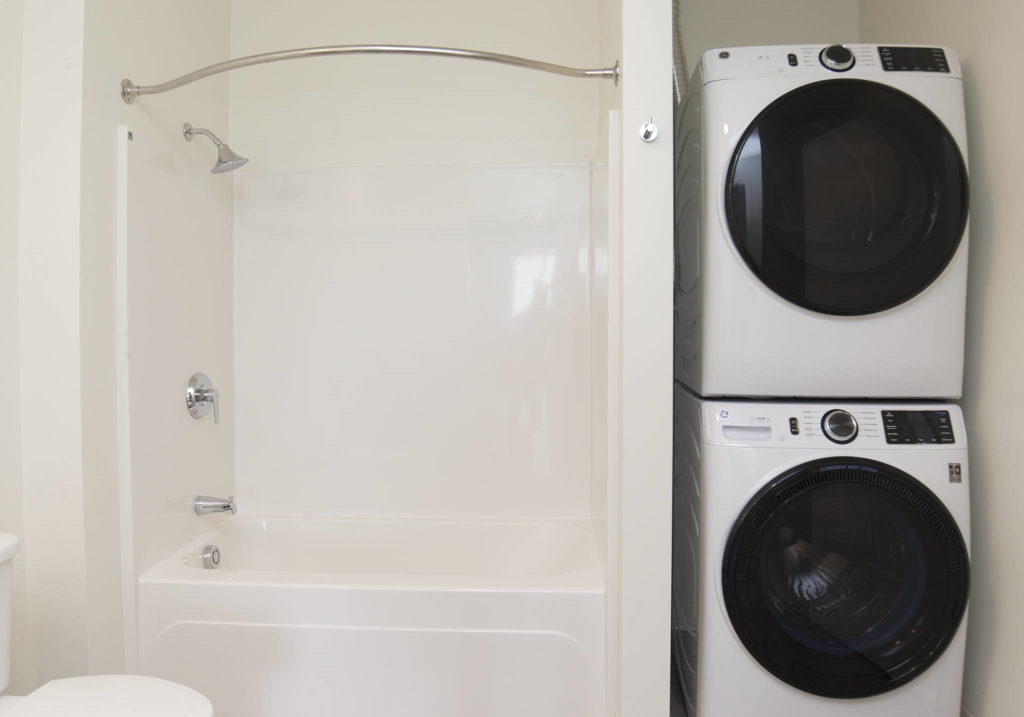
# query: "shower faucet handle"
[[200, 395]]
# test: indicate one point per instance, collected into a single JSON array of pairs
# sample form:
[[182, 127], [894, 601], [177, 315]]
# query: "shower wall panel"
[[414, 341], [175, 265]]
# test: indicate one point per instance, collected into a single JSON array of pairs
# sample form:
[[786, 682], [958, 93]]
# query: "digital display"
[[917, 427], [913, 59]]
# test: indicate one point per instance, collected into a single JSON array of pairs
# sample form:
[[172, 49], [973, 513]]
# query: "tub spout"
[[205, 504]]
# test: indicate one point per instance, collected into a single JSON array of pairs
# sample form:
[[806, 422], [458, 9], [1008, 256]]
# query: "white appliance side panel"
[[689, 173]]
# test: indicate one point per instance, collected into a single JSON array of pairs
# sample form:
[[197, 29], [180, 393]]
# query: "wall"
[[62, 65], [49, 334], [179, 307], [645, 351], [708, 24], [606, 333], [11, 514], [454, 199], [994, 384], [374, 110]]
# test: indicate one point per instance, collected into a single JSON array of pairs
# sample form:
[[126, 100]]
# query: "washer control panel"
[[832, 425], [918, 427]]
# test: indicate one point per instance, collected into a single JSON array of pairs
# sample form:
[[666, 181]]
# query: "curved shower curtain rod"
[[129, 90]]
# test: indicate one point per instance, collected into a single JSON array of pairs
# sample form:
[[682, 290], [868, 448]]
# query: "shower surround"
[[428, 618], [413, 405]]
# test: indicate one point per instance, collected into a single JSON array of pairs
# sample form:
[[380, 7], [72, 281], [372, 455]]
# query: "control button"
[[836, 58], [839, 426], [794, 426], [792, 59]]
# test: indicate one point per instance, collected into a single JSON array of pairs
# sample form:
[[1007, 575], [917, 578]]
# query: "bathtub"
[[318, 616]]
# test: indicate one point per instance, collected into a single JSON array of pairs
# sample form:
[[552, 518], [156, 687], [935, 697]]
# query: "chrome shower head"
[[226, 158]]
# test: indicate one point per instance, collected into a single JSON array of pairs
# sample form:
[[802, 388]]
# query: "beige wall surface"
[[708, 24], [11, 514], [393, 110], [149, 43], [61, 64], [49, 334], [980, 32]]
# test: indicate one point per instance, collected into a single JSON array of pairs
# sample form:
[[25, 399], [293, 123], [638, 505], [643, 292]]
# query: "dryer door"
[[847, 197], [845, 577]]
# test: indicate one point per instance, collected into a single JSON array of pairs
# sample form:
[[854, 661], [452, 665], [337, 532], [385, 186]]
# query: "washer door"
[[845, 577], [847, 197]]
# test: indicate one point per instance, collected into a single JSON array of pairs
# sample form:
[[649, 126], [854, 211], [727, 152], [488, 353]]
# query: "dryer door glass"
[[845, 577], [847, 197]]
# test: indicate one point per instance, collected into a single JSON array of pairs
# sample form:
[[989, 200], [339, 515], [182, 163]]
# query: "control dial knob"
[[836, 58], [839, 426]]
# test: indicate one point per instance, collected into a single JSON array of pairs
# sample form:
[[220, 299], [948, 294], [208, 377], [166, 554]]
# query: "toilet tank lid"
[[8, 546], [113, 696]]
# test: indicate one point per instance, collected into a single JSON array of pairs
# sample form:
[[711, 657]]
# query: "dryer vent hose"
[[680, 74]]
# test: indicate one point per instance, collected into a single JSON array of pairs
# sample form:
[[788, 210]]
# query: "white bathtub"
[[357, 617]]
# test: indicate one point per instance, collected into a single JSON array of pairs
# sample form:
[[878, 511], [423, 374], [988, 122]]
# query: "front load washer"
[[821, 223], [820, 558]]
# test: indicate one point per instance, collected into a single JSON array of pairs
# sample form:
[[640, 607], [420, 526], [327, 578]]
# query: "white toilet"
[[96, 696]]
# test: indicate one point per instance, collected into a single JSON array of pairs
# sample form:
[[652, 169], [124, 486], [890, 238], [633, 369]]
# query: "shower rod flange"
[[130, 90]]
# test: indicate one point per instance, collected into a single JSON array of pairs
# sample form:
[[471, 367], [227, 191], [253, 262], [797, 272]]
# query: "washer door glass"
[[847, 197], [845, 577]]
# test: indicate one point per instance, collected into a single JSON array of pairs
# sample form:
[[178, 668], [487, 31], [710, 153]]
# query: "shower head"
[[226, 158]]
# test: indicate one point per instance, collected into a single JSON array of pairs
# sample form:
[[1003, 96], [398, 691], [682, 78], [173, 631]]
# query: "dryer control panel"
[[847, 60], [913, 59]]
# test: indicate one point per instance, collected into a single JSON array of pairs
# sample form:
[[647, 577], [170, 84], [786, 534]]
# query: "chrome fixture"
[[129, 90], [226, 159], [200, 395], [649, 130], [211, 556], [205, 504]]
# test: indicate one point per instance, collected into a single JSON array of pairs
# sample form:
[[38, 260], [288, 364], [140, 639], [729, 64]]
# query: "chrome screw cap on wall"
[[226, 158]]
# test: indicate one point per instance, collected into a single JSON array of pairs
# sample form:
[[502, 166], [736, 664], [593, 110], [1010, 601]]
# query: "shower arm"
[[190, 131], [129, 90]]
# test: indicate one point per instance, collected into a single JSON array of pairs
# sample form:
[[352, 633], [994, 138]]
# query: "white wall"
[[374, 110], [646, 360], [606, 339], [49, 339], [62, 64], [11, 515], [179, 236], [708, 24], [980, 32], [443, 374]]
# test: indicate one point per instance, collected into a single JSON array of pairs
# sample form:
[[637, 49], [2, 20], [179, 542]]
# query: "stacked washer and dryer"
[[821, 512]]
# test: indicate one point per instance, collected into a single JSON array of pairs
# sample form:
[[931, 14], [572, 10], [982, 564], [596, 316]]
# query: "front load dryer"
[[821, 223], [820, 558]]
